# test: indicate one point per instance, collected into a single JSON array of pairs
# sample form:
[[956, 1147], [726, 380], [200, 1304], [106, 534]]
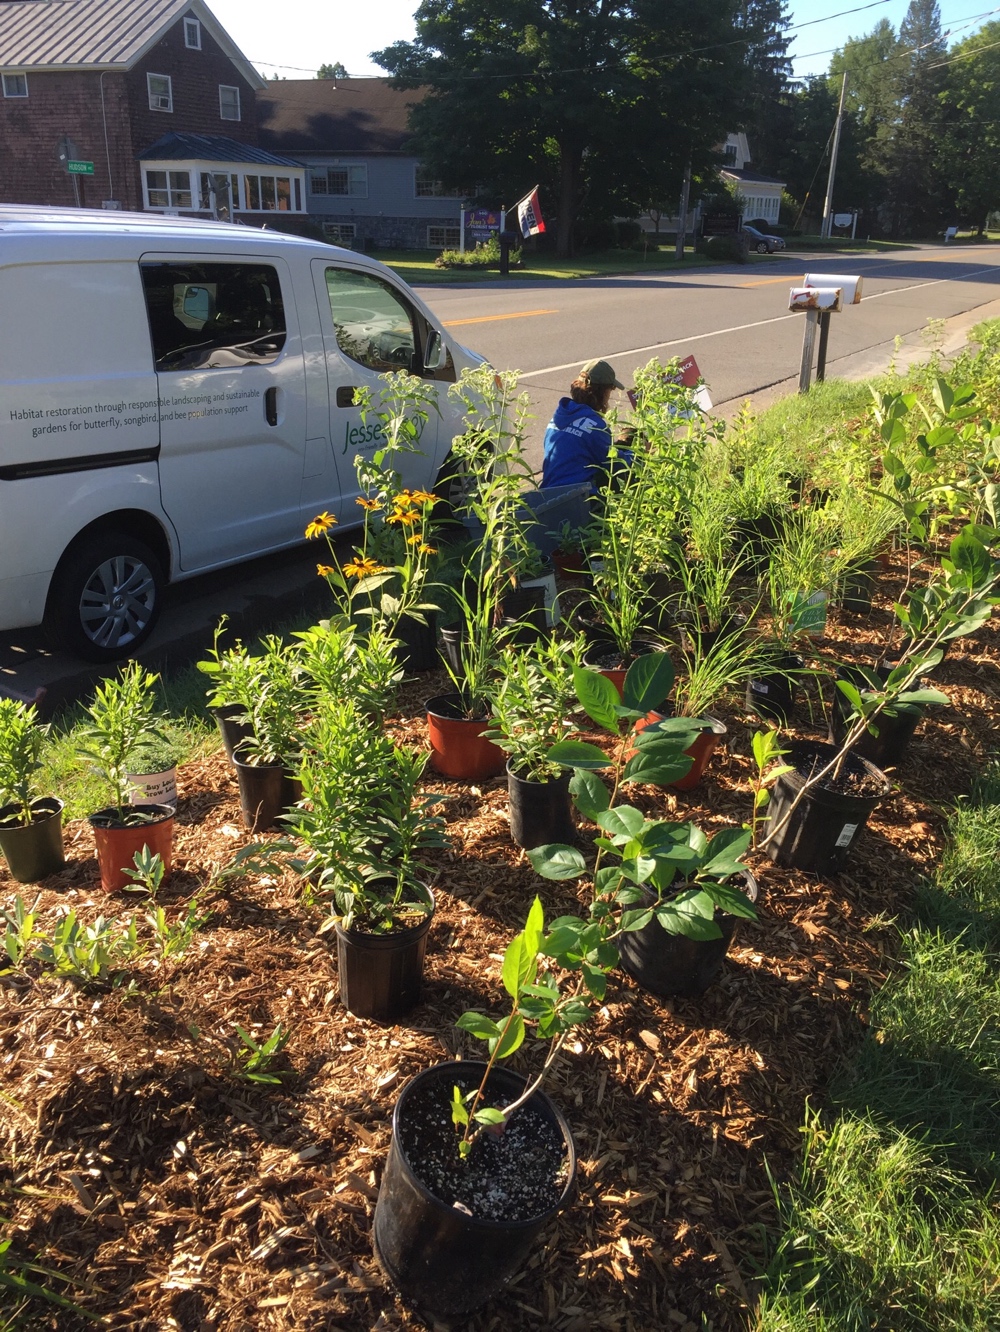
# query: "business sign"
[[481, 224], [80, 168], [843, 219], [719, 224]]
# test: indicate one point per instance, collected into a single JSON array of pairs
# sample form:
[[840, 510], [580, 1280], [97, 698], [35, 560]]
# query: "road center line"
[[488, 319], [759, 323]]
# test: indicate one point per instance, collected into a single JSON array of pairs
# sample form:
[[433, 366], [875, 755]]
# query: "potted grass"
[[532, 703], [265, 759], [30, 823], [121, 716], [481, 1160]]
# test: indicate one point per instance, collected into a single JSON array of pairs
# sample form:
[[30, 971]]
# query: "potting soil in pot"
[[853, 778], [513, 1175]]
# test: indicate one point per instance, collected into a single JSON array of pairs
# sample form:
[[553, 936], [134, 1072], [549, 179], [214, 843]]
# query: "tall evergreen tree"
[[915, 188], [768, 120], [602, 101], [873, 66]]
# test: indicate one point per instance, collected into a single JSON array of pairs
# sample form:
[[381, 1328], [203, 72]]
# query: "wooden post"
[[808, 347]]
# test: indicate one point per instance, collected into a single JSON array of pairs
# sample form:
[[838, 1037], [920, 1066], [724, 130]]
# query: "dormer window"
[[15, 85], [730, 154], [192, 34]]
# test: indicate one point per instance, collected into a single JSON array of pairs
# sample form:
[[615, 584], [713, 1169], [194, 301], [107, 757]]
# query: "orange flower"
[[363, 567], [407, 519], [324, 570], [371, 505], [423, 497], [428, 550], [320, 524], [414, 540]]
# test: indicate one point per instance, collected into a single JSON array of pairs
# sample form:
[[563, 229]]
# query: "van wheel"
[[105, 597]]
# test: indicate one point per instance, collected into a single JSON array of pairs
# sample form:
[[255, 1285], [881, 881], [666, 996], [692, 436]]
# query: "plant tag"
[[847, 834], [759, 688]]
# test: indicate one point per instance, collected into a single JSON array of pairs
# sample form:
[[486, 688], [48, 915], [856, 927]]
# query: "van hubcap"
[[117, 601]]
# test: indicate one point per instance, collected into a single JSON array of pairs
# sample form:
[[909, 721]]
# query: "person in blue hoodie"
[[578, 437]]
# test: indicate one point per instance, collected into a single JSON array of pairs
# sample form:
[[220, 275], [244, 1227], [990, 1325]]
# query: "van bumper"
[[22, 600]]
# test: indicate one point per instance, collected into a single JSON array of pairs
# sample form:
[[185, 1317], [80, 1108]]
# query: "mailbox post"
[[822, 295]]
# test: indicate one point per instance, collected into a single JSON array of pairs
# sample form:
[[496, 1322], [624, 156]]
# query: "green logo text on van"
[[372, 433]]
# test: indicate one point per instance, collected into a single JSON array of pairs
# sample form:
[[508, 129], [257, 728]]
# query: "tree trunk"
[[569, 167]]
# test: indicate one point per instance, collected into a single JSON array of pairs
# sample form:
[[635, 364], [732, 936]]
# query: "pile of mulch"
[[175, 1194]]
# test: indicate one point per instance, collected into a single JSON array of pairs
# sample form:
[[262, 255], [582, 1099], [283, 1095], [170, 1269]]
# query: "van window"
[[210, 315], [375, 326]]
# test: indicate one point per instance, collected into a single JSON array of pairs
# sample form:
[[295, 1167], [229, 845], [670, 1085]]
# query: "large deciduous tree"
[[969, 142], [604, 102]]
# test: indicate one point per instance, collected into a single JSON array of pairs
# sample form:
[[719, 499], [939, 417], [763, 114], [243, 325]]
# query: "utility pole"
[[827, 226], [685, 199]]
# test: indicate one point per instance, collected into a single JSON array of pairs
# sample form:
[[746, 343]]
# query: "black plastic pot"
[[772, 693], [895, 731], [754, 538], [381, 974], [437, 1256], [540, 812], [33, 850], [451, 645], [694, 637], [859, 585], [233, 732], [266, 791], [817, 836], [668, 964], [416, 643], [526, 603]]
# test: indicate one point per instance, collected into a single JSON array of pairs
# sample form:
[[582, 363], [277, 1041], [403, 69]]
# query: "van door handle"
[[271, 406], [345, 396]]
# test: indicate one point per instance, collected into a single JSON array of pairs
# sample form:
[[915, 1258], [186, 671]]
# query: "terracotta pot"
[[457, 746], [603, 648], [699, 753], [117, 846]]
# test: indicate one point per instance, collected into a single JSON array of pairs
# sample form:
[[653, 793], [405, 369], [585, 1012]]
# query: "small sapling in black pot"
[[481, 1160], [30, 824]]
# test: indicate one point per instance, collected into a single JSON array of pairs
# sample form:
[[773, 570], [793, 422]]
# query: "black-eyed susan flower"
[[320, 524], [425, 549], [324, 570], [414, 540], [423, 497], [407, 519], [371, 505], [363, 567]]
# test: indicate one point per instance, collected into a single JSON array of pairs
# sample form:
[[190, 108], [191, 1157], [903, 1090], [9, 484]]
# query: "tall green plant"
[[122, 715], [21, 744]]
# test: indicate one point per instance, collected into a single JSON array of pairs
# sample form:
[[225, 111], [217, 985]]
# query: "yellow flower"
[[428, 550], [324, 570], [407, 519], [414, 540], [423, 497], [363, 567], [371, 505], [320, 524]]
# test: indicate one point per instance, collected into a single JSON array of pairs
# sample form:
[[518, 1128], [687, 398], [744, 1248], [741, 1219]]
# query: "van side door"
[[230, 371], [370, 327]]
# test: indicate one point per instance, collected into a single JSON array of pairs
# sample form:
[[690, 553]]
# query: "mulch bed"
[[177, 1195]]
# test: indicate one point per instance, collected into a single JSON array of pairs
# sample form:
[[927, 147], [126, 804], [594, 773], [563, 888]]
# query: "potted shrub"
[[532, 702], [481, 1159], [264, 760], [123, 714], [30, 824]]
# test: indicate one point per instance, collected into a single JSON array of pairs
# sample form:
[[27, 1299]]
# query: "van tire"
[[121, 580]]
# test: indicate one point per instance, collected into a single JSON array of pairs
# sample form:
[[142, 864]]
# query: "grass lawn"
[[417, 266]]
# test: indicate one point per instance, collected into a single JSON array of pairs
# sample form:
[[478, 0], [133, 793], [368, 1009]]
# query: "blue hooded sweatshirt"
[[577, 440]]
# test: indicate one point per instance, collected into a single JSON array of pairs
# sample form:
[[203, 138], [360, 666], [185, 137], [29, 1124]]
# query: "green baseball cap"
[[600, 374]]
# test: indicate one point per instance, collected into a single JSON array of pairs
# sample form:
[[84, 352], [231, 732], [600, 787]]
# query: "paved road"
[[734, 320]]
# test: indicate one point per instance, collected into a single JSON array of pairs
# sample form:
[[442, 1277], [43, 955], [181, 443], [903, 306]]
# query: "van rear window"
[[213, 315]]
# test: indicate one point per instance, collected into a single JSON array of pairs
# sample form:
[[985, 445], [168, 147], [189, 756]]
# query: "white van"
[[177, 396]]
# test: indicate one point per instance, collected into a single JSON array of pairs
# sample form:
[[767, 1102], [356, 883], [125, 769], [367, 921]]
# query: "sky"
[[309, 33]]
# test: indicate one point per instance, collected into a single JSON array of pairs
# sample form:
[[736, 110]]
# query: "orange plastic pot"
[[458, 748], [601, 649], [117, 845], [700, 752]]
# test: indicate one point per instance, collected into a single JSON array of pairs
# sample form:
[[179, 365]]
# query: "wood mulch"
[[175, 1194]]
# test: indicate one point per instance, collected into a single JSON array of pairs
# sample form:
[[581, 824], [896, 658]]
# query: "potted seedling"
[[121, 716], [481, 1159], [265, 759], [533, 701], [236, 680], [30, 823]]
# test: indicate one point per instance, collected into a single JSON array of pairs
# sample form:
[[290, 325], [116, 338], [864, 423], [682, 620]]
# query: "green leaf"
[[490, 1116], [515, 965], [723, 851], [595, 979], [512, 1038], [578, 754], [459, 1113], [656, 768], [557, 861], [971, 556], [476, 1025], [648, 682], [623, 820], [574, 1012], [692, 927], [589, 792], [730, 899], [598, 697], [636, 920], [534, 927]]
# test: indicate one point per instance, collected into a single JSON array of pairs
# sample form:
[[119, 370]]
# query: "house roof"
[[175, 147], [100, 34], [750, 177], [335, 115]]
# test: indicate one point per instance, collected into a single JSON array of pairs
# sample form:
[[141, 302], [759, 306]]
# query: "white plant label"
[[759, 688], [847, 834]]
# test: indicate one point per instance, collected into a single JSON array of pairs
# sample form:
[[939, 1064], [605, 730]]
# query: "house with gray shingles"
[[364, 184], [152, 96]]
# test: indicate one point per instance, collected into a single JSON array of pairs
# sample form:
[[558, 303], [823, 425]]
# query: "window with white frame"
[[340, 180], [426, 187], [161, 93], [339, 233], [219, 193], [168, 189], [443, 238], [15, 85], [270, 194], [229, 102], [192, 34]]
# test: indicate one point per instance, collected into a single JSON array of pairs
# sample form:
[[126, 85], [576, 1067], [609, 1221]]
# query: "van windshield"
[[213, 315]]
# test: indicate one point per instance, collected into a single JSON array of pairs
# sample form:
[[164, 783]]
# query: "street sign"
[[80, 168]]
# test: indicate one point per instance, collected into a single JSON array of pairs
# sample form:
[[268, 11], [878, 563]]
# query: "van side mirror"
[[433, 350]]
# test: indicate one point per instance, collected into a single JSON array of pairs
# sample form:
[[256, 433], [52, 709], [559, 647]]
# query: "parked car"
[[178, 396], [762, 243]]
